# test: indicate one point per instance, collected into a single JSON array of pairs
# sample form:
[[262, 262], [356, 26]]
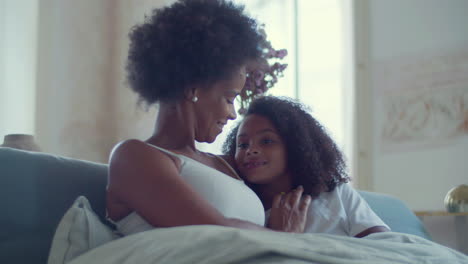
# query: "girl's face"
[[261, 154]]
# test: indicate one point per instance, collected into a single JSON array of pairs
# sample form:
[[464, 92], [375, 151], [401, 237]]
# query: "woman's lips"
[[220, 125]]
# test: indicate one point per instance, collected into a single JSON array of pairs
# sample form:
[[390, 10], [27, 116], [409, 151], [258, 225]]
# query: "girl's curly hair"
[[314, 160], [191, 42]]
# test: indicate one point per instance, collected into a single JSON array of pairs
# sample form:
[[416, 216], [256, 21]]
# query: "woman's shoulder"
[[228, 159], [126, 149], [135, 146], [137, 152], [128, 145]]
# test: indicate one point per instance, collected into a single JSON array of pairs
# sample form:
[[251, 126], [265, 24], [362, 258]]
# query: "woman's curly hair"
[[191, 42], [314, 160]]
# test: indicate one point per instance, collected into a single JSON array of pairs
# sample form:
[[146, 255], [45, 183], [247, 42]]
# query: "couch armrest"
[[37, 189]]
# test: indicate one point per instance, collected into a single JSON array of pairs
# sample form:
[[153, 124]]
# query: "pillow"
[[79, 231]]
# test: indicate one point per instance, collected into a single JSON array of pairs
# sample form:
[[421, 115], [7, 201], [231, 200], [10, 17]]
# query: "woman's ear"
[[191, 93]]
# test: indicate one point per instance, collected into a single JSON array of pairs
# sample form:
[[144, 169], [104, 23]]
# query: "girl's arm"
[[359, 213], [374, 229]]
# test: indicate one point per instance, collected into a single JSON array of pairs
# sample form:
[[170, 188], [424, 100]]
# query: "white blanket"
[[216, 244]]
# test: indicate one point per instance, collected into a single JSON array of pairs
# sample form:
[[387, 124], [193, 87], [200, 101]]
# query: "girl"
[[279, 147]]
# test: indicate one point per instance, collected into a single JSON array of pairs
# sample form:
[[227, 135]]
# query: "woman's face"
[[215, 106], [260, 151]]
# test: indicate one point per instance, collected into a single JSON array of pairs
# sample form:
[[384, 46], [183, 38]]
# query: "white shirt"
[[340, 212]]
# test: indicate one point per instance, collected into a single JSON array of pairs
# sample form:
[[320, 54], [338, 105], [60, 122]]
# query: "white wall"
[[83, 105], [135, 121], [74, 84], [418, 57]]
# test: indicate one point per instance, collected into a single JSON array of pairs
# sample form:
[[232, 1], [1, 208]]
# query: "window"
[[315, 36]]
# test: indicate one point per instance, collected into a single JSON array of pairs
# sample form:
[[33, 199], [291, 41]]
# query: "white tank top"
[[231, 197]]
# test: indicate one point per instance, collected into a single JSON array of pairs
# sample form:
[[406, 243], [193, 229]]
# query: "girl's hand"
[[289, 211]]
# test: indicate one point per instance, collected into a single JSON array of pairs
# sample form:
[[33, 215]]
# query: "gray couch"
[[38, 188]]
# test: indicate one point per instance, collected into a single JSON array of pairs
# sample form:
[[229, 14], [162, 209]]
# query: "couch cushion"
[[395, 213], [37, 189]]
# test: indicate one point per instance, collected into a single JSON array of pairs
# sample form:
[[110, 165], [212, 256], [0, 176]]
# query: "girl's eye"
[[267, 141], [242, 145]]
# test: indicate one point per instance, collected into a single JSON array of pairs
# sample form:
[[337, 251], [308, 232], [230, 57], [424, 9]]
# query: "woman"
[[190, 58], [278, 146]]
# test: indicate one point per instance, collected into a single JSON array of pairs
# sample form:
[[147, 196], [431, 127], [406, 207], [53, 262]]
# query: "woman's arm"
[[289, 211], [148, 182]]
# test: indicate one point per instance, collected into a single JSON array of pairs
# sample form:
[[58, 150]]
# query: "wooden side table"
[[461, 226]]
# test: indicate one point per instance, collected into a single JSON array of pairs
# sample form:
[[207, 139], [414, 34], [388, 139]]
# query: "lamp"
[[456, 200]]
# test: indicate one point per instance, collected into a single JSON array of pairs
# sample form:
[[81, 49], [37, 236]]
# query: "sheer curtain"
[[317, 38]]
